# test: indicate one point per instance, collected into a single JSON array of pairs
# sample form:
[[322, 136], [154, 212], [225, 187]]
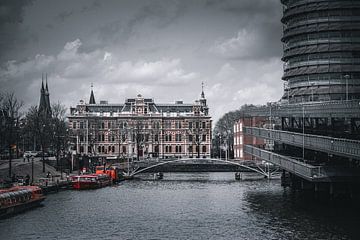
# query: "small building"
[[241, 139]]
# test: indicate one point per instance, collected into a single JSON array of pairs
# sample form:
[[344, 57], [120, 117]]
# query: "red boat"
[[18, 199], [90, 181]]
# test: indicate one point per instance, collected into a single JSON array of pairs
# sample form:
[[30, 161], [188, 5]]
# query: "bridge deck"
[[304, 170], [337, 146], [349, 109]]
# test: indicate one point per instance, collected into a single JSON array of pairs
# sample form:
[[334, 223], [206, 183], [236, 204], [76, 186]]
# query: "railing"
[[307, 171], [350, 109], [339, 146]]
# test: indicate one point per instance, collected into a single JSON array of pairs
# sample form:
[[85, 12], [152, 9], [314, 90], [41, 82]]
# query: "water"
[[184, 206]]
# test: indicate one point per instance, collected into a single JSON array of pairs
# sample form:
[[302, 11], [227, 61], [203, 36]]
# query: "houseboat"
[[90, 181], [19, 199]]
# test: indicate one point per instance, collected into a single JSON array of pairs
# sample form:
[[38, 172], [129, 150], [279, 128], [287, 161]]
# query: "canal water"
[[185, 206]]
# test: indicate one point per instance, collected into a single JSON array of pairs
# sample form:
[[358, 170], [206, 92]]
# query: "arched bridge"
[[137, 167]]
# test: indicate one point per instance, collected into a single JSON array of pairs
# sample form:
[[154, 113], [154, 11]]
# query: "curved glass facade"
[[321, 50]]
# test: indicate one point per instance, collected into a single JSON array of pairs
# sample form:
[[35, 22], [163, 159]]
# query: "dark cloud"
[[11, 16], [64, 15], [261, 20], [155, 14]]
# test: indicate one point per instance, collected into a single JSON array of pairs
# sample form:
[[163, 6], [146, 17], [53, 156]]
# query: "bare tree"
[[224, 129], [40, 128], [59, 130], [10, 108]]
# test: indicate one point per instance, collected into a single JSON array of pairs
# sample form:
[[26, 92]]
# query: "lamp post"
[[303, 126], [347, 76], [219, 135], [32, 170]]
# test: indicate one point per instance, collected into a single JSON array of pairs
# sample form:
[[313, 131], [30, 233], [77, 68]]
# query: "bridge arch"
[[258, 170]]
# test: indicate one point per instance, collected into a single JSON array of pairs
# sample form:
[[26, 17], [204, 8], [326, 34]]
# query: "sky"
[[162, 49]]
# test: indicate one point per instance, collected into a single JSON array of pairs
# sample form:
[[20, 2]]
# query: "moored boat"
[[90, 181], [19, 199]]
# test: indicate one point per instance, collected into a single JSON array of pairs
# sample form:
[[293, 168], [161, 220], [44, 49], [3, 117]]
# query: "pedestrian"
[[13, 178], [27, 179]]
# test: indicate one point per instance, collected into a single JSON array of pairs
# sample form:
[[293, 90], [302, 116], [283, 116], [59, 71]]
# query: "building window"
[[190, 138], [81, 125], [168, 138], [204, 137], [81, 149], [109, 148], [177, 124], [102, 125], [156, 138], [103, 149], [170, 149], [197, 125], [99, 149], [204, 149], [74, 125], [124, 149], [204, 125], [167, 124], [178, 137], [191, 149], [190, 125], [178, 149], [109, 125]]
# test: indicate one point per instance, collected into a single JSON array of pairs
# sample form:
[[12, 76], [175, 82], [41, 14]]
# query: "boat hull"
[[20, 207]]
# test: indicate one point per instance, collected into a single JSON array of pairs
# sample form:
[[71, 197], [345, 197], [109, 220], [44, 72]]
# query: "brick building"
[[141, 128], [241, 139]]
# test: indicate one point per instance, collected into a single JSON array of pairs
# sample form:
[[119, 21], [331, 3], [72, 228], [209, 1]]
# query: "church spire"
[[44, 105], [204, 106], [202, 90], [92, 98], [47, 97]]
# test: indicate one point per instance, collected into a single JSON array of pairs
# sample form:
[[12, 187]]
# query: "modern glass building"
[[321, 50]]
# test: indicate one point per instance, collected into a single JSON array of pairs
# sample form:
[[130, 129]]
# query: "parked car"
[[4, 154], [29, 154]]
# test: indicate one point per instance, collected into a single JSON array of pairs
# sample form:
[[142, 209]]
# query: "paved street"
[[21, 168]]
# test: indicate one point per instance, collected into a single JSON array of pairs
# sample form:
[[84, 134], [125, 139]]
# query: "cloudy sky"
[[162, 49]]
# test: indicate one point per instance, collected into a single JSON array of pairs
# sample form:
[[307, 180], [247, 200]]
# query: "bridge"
[[203, 164]]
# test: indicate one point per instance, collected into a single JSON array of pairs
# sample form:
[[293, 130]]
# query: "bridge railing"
[[349, 109], [302, 169], [339, 146]]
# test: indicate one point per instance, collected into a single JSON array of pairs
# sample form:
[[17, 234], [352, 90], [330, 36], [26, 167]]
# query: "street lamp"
[[219, 135], [347, 76], [303, 126]]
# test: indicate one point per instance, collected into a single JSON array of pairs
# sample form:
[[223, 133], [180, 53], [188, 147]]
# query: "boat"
[[112, 171], [158, 176], [90, 181], [19, 199]]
